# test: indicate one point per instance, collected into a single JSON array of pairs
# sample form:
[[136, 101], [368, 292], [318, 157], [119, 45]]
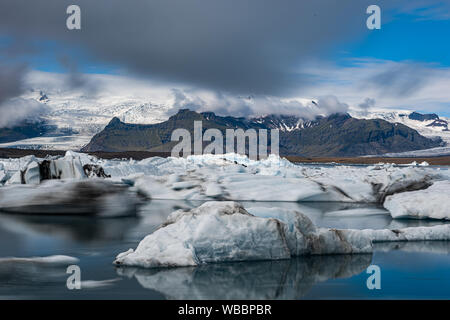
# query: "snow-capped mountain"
[[84, 115], [428, 125], [283, 123], [79, 114]]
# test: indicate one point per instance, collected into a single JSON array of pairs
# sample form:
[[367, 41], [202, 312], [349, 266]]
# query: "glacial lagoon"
[[409, 270]]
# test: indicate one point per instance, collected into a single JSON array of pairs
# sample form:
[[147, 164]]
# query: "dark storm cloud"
[[12, 108], [11, 81], [401, 79], [240, 46], [367, 104], [74, 78]]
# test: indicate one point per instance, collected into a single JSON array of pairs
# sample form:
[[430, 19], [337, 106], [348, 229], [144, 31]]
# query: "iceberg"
[[236, 178], [225, 231], [230, 177], [217, 232], [21, 273], [431, 203], [3, 177], [56, 197], [36, 171], [57, 260], [213, 232]]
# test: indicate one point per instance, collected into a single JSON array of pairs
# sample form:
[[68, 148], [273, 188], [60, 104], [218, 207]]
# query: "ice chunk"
[[16, 178], [432, 203], [34, 171], [3, 177], [82, 157], [32, 174], [235, 177], [434, 233], [213, 232], [225, 231], [58, 197], [66, 169], [50, 260], [35, 271], [93, 284]]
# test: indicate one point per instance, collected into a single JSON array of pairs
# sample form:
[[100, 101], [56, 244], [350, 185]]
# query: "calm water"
[[408, 270]]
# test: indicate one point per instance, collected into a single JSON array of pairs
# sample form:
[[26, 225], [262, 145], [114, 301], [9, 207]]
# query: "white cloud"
[[396, 85], [361, 83], [15, 110]]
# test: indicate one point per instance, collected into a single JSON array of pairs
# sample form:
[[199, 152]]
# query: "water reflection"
[[286, 279], [77, 229], [96, 242], [154, 213], [20, 274]]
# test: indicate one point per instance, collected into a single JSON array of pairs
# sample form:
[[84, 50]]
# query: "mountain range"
[[73, 119], [335, 135]]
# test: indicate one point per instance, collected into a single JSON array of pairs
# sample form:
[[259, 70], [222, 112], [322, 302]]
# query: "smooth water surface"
[[408, 270]]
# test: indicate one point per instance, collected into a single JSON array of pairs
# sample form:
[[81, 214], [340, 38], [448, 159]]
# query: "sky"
[[216, 55]]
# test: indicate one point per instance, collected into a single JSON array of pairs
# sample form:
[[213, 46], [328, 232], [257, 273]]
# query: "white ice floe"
[[234, 177], [213, 232], [431, 203], [434, 233], [57, 260], [415, 163], [231, 177], [94, 284], [56, 197], [34, 170], [356, 212], [224, 231]]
